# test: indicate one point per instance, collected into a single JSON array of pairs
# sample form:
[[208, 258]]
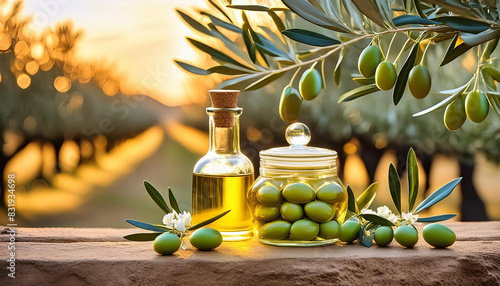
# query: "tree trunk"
[[472, 207], [371, 157], [341, 164]]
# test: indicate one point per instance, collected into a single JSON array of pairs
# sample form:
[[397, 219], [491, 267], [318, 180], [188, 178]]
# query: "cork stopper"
[[224, 99]]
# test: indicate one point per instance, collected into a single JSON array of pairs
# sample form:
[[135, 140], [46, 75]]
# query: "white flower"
[[169, 219], [409, 218], [386, 213], [187, 218], [180, 226], [368, 211]]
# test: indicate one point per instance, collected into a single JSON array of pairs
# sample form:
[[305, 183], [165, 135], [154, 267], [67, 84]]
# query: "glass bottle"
[[222, 178], [292, 170]]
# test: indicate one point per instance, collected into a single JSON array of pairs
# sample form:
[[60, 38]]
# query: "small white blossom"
[[409, 218], [180, 226], [168, 219], [386, 213], [187, 218]]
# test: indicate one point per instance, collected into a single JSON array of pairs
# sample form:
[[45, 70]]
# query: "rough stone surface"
[[66, 256]]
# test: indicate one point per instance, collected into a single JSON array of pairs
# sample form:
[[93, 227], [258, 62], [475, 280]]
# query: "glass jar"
[[297, 200]]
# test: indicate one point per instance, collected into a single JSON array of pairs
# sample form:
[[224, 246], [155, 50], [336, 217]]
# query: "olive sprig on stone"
[[168, 237], [368, 226]]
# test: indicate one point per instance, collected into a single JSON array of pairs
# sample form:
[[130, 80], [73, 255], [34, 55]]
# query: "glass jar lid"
[[298, 155]]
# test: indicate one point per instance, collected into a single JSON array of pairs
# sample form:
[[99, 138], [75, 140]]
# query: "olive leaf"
[[193, 23], [363, 80], [310, 38], [370, 11], [221, 23], [453, 51], [173, 201], [351, 201], [148, 226], [358, 92], [156, 196], [456, 93], [402, 78], [208, 221], [436, 218], [192, 69], [463, 24], [257, 8], [412, 19], [264, 81], [377, 220], [412, 171], [366, 198], [365, 237], [395, 187], [337, 72], [494, 100], [148, 236], [220, 10], [438, 195]]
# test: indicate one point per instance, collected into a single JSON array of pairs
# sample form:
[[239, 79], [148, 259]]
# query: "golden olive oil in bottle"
[[222, 178]]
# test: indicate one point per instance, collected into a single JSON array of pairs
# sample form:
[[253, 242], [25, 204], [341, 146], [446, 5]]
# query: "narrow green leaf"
[[221, 23], [494, 72], [220, 10], [358, 92], [276, 39], [264, 81], [438, 195], [310, 38], [323, 80], [272, 51], [412, 19], [277, 20], [148, 226], [488, 80], [412, 170], [395, 187], [444, 102], [229, 69], [366, 198], [490, 48], [402, 78], [149, 236], [378, 220], [463, 24], [436, 218], [494, 100], [257, 8], [370, 10], [156, 196], [483, 37], [353, 12], [215, 54], [363, 80], [239, 82], [365, 238], [309, 13], [192, 69], [351, 201], [208, 221], [173, 201], [193, 23], [248, 42], [337, 73], [418, 6]]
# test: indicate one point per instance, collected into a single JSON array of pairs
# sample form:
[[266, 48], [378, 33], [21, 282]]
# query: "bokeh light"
[[62, 84], [23, 81]]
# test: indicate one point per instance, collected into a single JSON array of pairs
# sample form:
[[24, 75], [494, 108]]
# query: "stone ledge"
[[101, 256]]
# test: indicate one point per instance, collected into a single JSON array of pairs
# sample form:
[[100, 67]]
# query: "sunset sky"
[[140, 37]]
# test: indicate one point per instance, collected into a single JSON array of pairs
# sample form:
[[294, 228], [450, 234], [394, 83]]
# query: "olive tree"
[[307, 48]]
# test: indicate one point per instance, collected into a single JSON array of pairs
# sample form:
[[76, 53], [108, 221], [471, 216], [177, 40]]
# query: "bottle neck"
[[224, 137]]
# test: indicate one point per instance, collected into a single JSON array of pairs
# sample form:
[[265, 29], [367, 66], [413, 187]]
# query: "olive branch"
[[262, 59]]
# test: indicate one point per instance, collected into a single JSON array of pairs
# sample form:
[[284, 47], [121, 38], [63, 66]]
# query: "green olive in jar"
[[304, 229], [269, 194], [319, 211], [329, 230], [291, 212], [266, 213], [279, 229], [299, 193], [330, 193]]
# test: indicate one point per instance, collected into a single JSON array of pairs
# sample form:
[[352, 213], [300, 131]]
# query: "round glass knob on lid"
[[298, 134], [298, 155]]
